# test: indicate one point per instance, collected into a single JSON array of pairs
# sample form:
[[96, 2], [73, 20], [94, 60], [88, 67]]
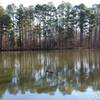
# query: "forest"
[[47, 27]]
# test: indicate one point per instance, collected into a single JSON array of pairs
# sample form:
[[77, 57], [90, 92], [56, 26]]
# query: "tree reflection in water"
[[15, 78], [44, 72]]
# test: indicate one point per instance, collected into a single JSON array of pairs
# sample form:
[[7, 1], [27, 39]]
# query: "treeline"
[[49, 27]]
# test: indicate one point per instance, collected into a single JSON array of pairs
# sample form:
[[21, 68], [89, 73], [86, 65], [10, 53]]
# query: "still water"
[[52, 75]]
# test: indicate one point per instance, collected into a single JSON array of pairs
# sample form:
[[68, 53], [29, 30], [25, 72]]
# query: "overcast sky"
[[88, 3]]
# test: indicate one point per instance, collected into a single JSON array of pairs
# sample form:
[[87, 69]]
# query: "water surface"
[[52, 75]]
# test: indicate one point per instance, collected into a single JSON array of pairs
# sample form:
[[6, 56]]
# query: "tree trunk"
[[0, 40], [81, 38]]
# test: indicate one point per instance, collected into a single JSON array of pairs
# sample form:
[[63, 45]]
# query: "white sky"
[[88, 3]]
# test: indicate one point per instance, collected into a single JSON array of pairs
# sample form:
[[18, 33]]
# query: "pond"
[[50, 75]]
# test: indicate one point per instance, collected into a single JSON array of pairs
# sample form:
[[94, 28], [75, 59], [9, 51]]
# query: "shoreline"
[[56, 49]]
